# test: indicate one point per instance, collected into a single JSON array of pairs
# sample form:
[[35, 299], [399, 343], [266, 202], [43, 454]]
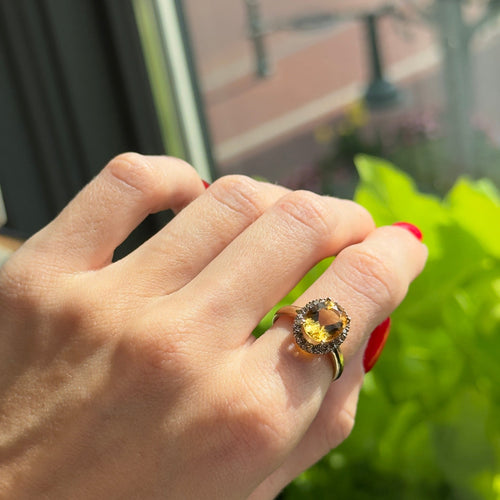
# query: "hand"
[[141, 379]]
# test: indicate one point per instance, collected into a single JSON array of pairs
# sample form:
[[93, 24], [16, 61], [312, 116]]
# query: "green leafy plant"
[[428, 424]]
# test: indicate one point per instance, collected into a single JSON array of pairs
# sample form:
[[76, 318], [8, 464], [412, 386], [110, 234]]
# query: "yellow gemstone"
[[315, 331], [323, 324]]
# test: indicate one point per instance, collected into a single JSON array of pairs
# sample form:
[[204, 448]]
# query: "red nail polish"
[[376, 344], [205, 183], [410, 227]]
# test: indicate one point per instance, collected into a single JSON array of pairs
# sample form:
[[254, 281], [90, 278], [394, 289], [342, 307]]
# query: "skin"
[[141, 379]]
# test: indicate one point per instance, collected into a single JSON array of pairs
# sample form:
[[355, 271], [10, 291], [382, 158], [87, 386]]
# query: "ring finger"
[[368, 279]]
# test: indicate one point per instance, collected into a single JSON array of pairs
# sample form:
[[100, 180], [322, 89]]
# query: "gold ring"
[[319, 327]]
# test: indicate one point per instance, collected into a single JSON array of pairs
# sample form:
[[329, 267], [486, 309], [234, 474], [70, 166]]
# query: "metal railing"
[[380, 91]]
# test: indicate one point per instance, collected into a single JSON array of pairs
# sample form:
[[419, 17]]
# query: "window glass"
[[289, 104]]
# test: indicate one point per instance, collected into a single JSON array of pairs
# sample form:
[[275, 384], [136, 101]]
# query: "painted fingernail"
[[376, 344], [206, 184], [410, 227]]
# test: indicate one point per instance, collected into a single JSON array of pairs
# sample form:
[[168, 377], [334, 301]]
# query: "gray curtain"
[[74, 92]]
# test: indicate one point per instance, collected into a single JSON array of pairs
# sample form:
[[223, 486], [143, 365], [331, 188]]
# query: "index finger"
[[87, 232]]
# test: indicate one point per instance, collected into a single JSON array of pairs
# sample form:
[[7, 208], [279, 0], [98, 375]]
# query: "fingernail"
[[410, 227], [206, 184], [376, 344]]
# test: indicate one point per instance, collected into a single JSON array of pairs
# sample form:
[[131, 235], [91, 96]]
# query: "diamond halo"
[[321, 326]]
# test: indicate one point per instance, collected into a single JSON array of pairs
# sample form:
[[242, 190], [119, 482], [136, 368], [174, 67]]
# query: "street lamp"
[[380, 92]]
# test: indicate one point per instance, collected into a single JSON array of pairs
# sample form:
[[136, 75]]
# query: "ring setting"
[[319, 327]]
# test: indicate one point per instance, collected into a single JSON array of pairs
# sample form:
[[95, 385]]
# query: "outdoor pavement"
[[315, 75]]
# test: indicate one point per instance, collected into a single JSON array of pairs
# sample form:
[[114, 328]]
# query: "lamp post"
[[380, 92]]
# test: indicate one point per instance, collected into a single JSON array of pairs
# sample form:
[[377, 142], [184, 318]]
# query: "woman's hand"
[[141, 379]]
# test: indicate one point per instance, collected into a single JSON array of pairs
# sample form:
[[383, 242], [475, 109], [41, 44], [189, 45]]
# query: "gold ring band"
[[319, 328]]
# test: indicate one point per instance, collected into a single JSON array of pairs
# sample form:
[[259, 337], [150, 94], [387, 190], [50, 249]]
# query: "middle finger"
[[265, 261], [177, 253]]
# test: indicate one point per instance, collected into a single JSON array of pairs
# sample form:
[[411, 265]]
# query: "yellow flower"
[[324, 134], [357, 114]]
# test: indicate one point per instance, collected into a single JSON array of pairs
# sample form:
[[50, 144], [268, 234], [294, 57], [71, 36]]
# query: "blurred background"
[[294, 92], [286, 85]]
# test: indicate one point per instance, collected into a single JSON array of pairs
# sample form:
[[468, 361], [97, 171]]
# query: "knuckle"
[[25, 283], [164, 355], [344, 424], [238, 194], [270, 426], [156, 362], [309, 211], [74, 321], [346, 421], [371, 276], [262, 425], [53, 309], [134, 170], [258, 431], [148, 363]]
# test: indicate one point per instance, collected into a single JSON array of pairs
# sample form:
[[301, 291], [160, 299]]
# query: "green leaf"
[[476, 208], [427, 422], [391, 196]]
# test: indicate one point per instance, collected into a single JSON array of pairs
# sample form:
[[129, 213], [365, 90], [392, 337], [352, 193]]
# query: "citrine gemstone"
[[315, 331], [323, 325]]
